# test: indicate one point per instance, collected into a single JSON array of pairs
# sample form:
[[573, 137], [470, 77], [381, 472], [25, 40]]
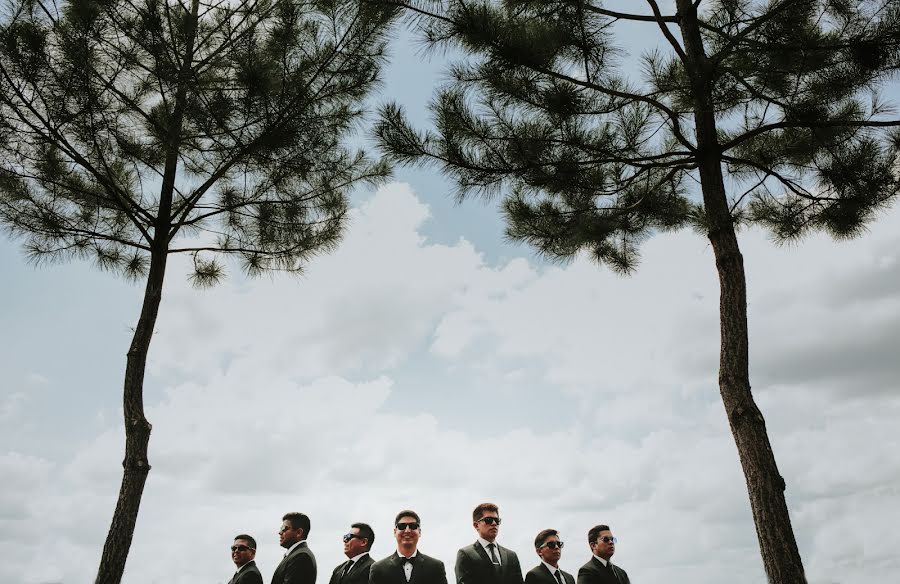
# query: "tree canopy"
[[135, 129], [749, 112]]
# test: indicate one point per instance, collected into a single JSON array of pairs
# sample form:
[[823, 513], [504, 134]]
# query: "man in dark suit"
[[357, 544], [486, 561], [408, 565], [243, 554], [600, 569], [299, 563], [549, 549]]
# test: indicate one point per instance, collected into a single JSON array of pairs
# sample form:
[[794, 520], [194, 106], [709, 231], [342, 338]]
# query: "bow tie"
[[405, 561]]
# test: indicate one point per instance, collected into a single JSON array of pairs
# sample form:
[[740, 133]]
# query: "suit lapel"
[[549, 573], [484, 555], [417, 569], [504, 559], [482, 552], [398, 567]]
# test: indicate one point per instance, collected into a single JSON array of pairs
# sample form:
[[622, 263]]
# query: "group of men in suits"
[[483, 562]]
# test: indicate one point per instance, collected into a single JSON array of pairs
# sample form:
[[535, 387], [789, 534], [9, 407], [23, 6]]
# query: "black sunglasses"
[[552, 545], [349, 536], [491, 520], [402, 526], [240, 548], [607, 539]]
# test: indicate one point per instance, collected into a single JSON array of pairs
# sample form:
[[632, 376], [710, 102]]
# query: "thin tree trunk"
[[137, 431], [765, 486]]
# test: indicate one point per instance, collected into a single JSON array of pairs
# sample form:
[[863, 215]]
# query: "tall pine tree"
[[131, 130], [772, 107]]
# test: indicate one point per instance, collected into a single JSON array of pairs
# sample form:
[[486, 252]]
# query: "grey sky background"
[[430, 364]]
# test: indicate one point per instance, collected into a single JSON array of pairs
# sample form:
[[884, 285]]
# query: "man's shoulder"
[[250, 575], [426, 559], [619, 568], [589, 566], [469, 550], [303, 548], [385, 561], [507, 550], [538, 570]]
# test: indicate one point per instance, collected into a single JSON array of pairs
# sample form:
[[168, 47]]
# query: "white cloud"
[[398, 373]]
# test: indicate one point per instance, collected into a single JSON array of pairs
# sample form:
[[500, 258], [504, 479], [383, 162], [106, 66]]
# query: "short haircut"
[[366, 531], [542, 537], [248, 538], [595, 531], [478, 513], [407, 513], [298, 521]]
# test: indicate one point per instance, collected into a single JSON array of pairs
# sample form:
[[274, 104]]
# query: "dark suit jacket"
[[249, 574], [594, 572], [359, 574], [298, 567], [474, 566], [426, 570], [541, 575]]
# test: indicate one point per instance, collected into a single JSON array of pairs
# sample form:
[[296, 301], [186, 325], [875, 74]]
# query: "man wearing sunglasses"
[[408, 565], [299, 563], [599, 569], [486, 561], [357, 545], [549, 549], [243, 553]]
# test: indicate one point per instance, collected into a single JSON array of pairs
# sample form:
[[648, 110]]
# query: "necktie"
[[494, 560], [558, 576], [347, 568]]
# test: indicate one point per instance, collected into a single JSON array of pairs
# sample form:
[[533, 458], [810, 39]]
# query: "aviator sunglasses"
[[491, 520], [553, 545], [349, 536], [240, 548], [402, 526]]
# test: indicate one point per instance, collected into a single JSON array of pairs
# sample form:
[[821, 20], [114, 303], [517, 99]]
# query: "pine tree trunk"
[[137, 431], [765, 486]]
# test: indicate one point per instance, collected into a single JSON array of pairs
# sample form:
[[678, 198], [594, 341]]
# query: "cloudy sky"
[[429, 364]]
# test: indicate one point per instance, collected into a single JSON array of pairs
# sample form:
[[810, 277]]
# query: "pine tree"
[[771, 107], [131, 130]]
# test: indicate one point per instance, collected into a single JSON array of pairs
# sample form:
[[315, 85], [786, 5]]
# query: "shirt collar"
[[551, 568], [244, 566], [290, 549], [401, 556], [602, 561], [358, 557], [484, 543]]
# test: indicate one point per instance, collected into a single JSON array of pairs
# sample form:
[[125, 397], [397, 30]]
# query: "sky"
[[430, 364]]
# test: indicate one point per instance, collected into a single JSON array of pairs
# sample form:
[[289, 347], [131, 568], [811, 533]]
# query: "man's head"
[[486, 520], [548, 546], [294, 528], [407, 531], [602, 542], [243, 549], [358, 540]]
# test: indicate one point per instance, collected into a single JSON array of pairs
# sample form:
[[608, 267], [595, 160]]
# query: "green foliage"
[[152, 126], [590, 158]]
